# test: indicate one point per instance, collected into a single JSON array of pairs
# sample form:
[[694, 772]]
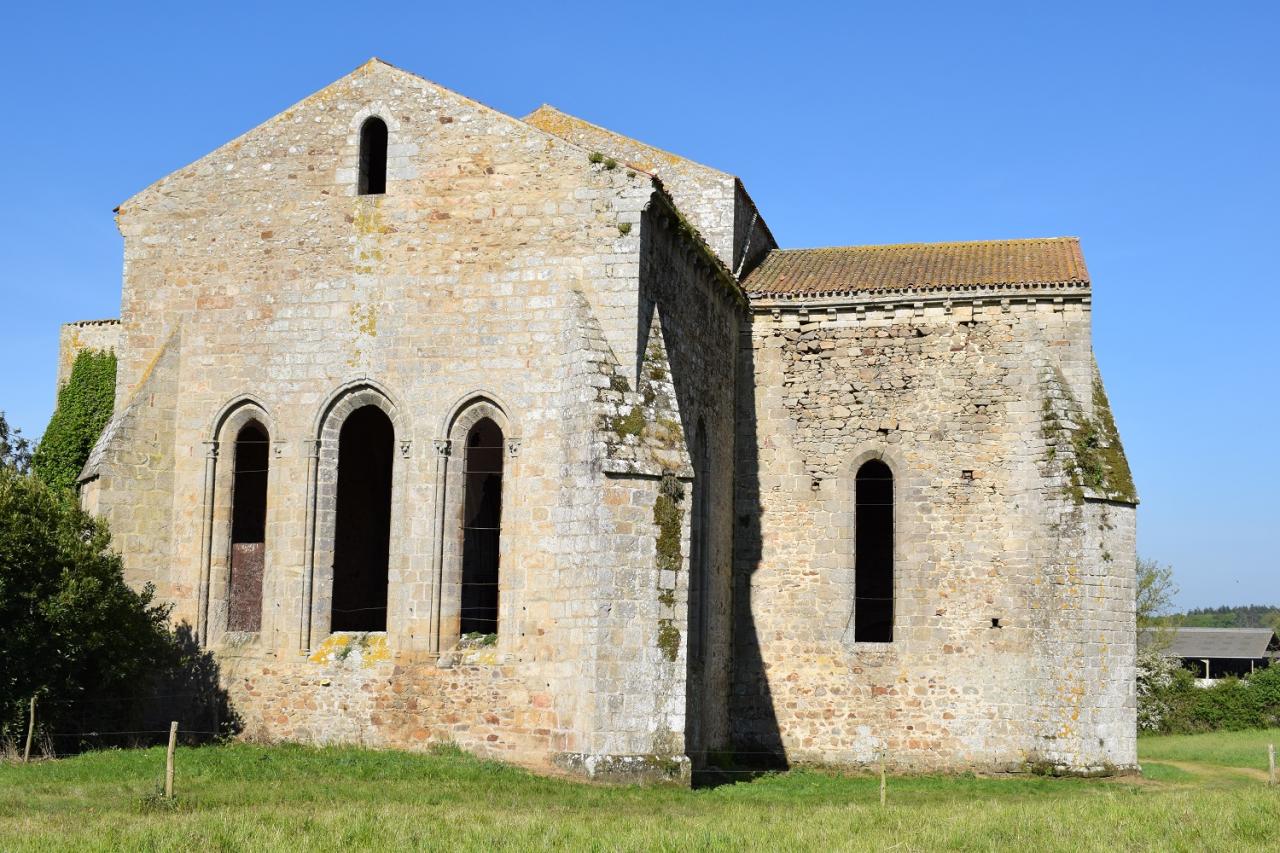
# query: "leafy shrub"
[[15, 450], [84, 406], [1231, 704], [73, 633], [1156, 673]]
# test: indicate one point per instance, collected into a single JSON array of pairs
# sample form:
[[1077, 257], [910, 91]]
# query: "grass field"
[[1200, 792]]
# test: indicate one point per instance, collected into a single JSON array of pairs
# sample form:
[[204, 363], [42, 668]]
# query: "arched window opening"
[[248, 528], [873, 554], [481, 528], [373, 157], [700, 548], [362, 533]]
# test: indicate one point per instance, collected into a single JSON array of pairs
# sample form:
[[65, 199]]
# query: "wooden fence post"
[[882, 785], [1271, 763], [31, 730], [168, 760]]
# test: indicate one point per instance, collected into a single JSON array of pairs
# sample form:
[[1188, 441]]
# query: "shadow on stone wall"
[[191, 693], [756, 741]]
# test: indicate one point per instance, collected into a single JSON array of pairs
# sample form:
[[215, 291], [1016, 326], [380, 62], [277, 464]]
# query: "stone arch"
[[400, 151], [469, 413], [841, 495], [231, 418], [471, 407], [374, 141], [338, 407]]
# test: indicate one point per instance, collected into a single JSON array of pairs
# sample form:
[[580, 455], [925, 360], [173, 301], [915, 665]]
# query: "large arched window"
[[373, 157], [248, 528], [873, 554], [362, 532], [481, 528]]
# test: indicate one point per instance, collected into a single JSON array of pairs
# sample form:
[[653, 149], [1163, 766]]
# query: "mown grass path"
[[244, 797]]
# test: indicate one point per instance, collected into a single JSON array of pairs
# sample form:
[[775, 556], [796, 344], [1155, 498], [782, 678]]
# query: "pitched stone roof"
[[1238, 643], [917, 266]]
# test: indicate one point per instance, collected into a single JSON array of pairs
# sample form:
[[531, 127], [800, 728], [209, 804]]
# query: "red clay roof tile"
[[917, 266]]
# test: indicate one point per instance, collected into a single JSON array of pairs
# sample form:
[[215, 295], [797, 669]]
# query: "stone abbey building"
[[439, 425]]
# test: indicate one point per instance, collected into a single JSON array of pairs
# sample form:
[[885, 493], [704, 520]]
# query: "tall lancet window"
[[373, 157], [481, 528], [873, 554], [248, 529]]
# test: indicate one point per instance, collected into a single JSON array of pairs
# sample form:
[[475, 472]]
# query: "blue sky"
[[1148, 129]]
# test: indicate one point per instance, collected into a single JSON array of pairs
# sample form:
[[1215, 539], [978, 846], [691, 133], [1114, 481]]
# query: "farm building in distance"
[[1214, 653]]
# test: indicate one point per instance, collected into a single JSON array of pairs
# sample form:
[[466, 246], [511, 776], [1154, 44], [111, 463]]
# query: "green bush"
[[84, 407], [1229, 705], [94, 651]]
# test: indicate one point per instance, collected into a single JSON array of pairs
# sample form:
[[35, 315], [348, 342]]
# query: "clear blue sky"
[[1148, 129]]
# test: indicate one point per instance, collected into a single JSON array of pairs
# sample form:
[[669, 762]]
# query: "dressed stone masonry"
[[581, 365]]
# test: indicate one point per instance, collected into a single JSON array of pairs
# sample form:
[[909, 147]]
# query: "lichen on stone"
[[668, 639]]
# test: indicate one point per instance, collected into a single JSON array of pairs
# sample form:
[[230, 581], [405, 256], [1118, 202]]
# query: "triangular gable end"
[[372, 67]]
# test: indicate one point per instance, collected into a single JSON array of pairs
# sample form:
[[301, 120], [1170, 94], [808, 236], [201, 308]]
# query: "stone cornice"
[[921, 298]]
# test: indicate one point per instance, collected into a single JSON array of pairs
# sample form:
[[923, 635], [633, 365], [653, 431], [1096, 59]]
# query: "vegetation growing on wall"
[[668, 516], [84, 407], [1097, 464], [1100, 461]]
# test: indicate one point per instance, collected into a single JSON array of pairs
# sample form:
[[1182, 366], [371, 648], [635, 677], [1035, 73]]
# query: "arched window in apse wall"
[[248, 528], [481, 528], [873, 554], [362, 533]]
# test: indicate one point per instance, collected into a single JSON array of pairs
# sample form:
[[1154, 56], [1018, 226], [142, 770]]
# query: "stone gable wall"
[[479, 274]]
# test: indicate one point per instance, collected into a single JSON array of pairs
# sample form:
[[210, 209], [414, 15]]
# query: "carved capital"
[[444, 447], [405, 448], [513, 447], [211, 449]]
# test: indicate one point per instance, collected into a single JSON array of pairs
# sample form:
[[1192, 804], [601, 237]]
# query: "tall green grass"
[[291, 797], [1226, 749]]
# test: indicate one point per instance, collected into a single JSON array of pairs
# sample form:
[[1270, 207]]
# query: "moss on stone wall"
[[1108, 466], [632, 423], [668, 515], [1097, 464], [668, 639]]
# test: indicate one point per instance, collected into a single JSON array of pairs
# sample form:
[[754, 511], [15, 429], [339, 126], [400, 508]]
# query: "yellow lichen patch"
[[361, 649], [364, 318], [368, 217]]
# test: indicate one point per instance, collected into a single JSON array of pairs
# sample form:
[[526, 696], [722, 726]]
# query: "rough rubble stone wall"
[[85, 334], [987, 526], [282, 291]]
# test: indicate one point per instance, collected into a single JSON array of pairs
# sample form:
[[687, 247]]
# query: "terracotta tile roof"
[[917, 266]]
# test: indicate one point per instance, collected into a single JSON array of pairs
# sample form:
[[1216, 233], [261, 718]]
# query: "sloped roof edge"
[[918, 266]]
